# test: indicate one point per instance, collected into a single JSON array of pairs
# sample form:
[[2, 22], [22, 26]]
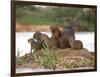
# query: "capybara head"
[[37, 35], [30, 40], [44, 37], [56, 33]]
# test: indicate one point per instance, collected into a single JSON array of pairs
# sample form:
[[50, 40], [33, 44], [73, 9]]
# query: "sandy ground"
[[32, 28], [21, 27], [74, 59]]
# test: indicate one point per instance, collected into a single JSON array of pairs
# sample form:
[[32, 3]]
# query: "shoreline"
[[32, 28], [63, 56], [58, 69]]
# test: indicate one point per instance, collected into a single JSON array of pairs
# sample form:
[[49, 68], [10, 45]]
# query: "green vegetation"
[[19, 61], [24, 61], [53, 59], [51, 15], [49, 59]]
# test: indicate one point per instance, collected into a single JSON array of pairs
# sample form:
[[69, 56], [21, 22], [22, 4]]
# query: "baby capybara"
[[37, 36], [35, 45], [75, 44]]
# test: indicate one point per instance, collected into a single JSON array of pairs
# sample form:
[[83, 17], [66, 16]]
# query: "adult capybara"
[[64, 39], [56, 34], [35, 45], [75, 44], [50, 43]]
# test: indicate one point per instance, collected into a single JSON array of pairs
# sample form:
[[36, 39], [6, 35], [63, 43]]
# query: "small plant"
[[49, 59], [19, 60], [87, 62], [23, 61]]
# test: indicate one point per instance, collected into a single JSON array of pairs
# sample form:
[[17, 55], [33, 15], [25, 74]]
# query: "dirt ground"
[[66, 58], [32, 28]]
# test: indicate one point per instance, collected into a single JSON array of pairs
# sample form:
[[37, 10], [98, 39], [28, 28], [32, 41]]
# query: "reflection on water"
[[24, 47]]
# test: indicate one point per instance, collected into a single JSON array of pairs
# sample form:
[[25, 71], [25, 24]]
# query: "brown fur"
[[75, 44], [64, 39], [56, 34], [37, 36], [35, 45], [51, 43]]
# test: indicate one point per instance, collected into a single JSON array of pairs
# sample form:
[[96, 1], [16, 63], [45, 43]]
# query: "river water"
[[24, 47]]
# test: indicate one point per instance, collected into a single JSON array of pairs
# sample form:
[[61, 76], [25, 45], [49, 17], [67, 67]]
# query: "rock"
[[71, 52]]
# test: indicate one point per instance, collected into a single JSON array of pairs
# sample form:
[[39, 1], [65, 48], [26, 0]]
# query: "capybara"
[[37, 36], [75, 44], [50, 43], [56, 34], [64, 39], [35, 45]]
